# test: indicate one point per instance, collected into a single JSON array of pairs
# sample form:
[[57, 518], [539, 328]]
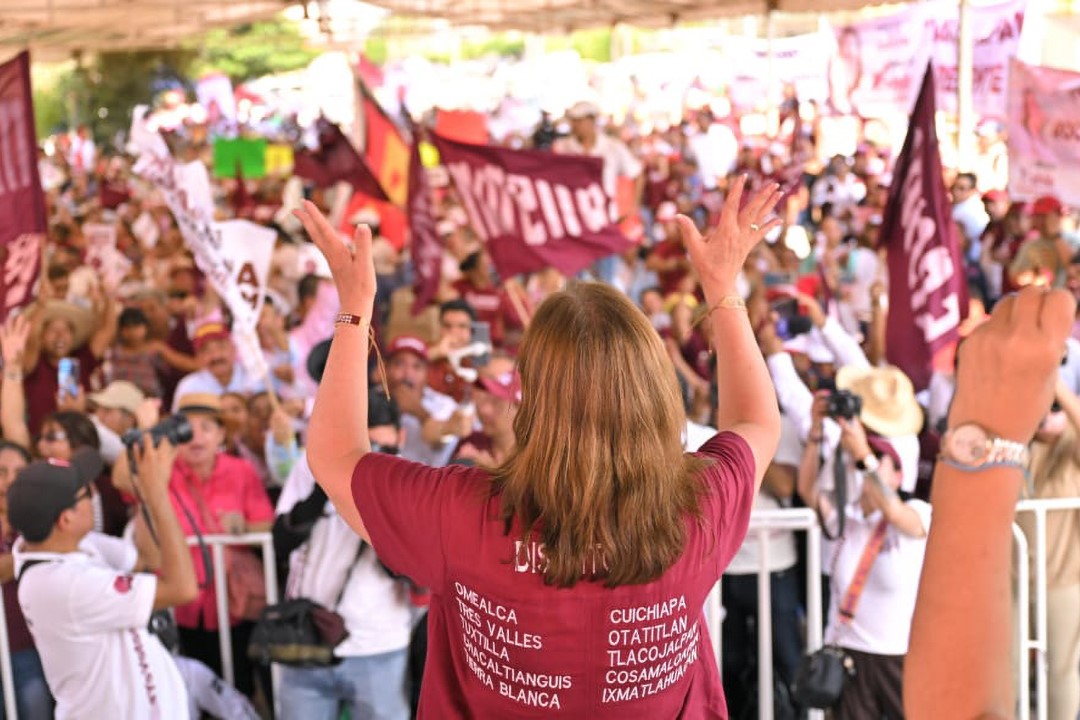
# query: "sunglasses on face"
[[54, 436]]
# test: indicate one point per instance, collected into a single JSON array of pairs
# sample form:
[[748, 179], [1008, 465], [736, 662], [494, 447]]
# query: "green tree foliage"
[[251, 51]]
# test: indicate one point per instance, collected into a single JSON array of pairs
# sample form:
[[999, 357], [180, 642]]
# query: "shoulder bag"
[[822, 675], [301, 632]]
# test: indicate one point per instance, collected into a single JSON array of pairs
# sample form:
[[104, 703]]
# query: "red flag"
[[385, 149], [427, 249], [335, 160], [928, 296], [22, 202], [533, 209]]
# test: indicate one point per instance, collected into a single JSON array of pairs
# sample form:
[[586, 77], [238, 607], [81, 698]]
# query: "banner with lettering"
[[534, 209], [927, 288], [250, 249], [878, 62], [212, 244], [427, 249], [22, 202], [1044, 133]]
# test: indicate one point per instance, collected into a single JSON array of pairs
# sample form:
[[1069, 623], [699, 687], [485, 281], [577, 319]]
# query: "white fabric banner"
[[802, 60], [237, 276], [1044, 133]]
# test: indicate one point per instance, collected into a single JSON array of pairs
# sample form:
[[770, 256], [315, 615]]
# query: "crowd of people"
[[857, 443]]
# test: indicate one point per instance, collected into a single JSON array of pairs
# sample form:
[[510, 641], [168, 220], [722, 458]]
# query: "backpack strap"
[[27, 565]]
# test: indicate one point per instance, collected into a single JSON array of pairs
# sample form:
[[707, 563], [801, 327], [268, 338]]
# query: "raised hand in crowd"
[[74, 403], [958, 664], [748, 406], [13, 337], [148, 413]]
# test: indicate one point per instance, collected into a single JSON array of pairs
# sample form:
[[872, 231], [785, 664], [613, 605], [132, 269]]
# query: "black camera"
[[844, 404], [175, 428]]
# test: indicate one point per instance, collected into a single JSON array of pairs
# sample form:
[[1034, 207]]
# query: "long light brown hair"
[[599, 465]]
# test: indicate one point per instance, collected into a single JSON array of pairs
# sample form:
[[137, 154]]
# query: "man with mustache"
[[220, 372]]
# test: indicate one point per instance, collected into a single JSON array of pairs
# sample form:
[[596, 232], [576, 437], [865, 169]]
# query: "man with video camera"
[[88, 612]]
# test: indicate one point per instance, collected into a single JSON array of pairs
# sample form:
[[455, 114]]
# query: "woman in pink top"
[[569, 580]]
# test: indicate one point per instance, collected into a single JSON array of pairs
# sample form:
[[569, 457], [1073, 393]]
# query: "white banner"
[[801, 60], [111, 265], [1044, 133], [879, 63], [183, 188]]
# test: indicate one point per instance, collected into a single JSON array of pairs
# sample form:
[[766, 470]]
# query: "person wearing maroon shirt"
[[497, 400], [568, 581], [489, 301], [61, 329], [668, 258]]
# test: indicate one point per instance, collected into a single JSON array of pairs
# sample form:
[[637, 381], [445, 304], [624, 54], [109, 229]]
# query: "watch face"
[[968, 444]]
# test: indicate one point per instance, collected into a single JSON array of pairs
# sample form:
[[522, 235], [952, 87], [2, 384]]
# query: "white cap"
[[583, 109]]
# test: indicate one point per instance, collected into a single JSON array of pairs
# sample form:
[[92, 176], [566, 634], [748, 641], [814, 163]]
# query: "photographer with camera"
[[86, 609], [877, 532]]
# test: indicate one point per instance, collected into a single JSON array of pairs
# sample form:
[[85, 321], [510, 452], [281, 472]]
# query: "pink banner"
[[878, 62], [22, 202], [927, 288], [427, 250], [534, 209], [1044, 133]]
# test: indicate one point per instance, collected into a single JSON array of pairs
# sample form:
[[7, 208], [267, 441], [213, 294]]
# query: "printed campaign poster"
[[1044, 133]]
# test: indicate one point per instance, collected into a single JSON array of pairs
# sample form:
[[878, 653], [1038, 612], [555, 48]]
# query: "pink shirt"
[[233, 487], [503, 644]]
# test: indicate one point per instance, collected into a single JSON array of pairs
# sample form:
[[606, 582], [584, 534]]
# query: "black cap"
[[44, 489], [316, 359]]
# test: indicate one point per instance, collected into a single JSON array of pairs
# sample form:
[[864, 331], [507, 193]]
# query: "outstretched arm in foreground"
[[338, 432], [958, 662], [747, 401]]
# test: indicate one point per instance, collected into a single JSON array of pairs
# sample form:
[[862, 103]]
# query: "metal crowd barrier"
[[761, 522], [1025, 642], [217, 544]]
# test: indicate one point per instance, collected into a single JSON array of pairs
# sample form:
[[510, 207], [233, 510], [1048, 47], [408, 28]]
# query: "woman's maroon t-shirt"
[[503, 644]]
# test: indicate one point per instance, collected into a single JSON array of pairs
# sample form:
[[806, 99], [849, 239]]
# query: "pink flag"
[[534, 209], [427, 249], [22, 202], [928, 296]]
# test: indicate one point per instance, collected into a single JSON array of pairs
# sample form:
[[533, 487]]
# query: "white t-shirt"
[[88, 615], [882, 623], [203, 381], [618, 160], [374, 606], [415, 448], [782, 554], [715, 151]]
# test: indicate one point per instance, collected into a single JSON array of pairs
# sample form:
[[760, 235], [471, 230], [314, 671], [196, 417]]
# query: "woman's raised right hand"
[[350, 263]]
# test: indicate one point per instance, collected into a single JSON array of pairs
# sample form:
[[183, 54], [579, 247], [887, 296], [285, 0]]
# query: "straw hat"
[[78, 318], [889, 405]]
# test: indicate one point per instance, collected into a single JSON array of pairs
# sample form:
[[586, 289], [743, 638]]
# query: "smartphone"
[[481, 333], [67, 377]]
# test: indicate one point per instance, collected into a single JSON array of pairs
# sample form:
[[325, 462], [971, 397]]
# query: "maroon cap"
[[208, 332], [506, 386], [1047, 205], [408, 343]]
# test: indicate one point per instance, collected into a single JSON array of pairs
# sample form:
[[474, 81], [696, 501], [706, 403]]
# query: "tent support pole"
[[965, 105]]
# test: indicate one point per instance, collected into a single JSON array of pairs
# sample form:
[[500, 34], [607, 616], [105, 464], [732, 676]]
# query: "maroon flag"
[[336, 160], [533, 209], [427, 249], [22, 202], [928, 296]]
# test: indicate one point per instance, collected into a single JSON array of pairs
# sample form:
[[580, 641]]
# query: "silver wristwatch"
[[971, 447]]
